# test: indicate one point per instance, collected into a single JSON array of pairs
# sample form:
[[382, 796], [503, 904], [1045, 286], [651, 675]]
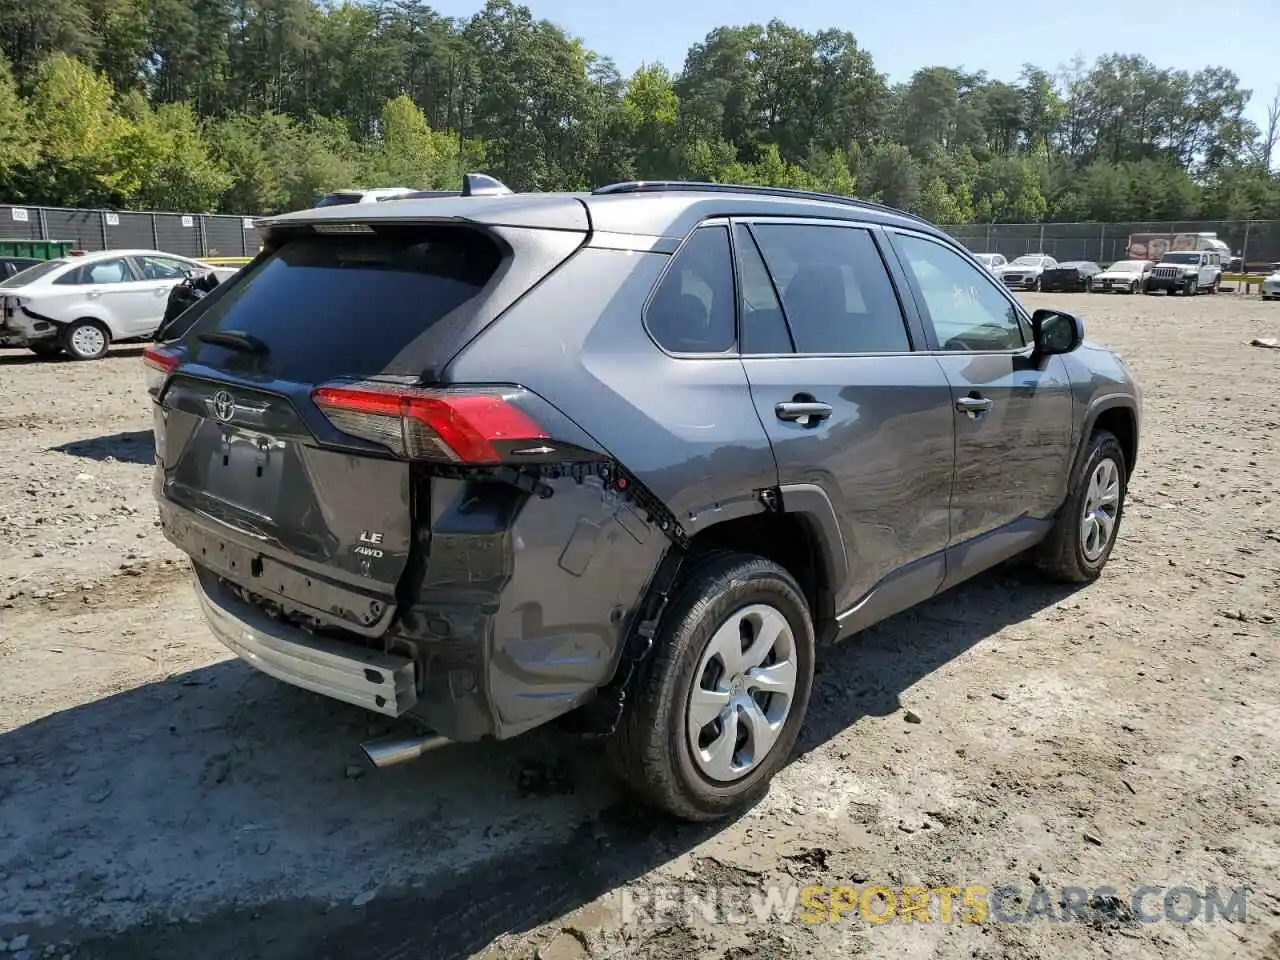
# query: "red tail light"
[[160, 362], [467, 425]]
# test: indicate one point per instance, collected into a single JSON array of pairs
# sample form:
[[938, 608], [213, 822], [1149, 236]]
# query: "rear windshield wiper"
[[235, 340]]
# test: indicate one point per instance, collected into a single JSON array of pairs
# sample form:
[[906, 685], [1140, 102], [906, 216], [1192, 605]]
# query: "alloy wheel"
[[743, 691], [1101, 509]]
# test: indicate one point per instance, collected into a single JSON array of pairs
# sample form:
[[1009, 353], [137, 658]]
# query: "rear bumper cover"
[[366, 678]]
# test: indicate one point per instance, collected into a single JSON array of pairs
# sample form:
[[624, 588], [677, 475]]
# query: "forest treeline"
[[257, 106]]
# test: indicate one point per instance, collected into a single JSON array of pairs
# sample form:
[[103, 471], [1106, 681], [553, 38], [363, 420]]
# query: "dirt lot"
[[158, 800]]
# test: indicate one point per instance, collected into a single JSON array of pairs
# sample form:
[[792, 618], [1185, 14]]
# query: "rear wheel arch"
[[803, 537]]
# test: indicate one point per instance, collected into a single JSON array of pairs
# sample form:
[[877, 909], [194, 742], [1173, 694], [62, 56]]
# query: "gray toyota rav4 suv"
[[627, 457]]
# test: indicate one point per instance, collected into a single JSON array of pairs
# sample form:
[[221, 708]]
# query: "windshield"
[[1180, 258], [1030, 261], [23, 277], [986, 257], [1127, 266]]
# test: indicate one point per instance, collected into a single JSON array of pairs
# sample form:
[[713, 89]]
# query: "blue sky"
[[904, 35]]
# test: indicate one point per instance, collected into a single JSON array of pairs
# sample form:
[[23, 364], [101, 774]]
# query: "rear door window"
[[836, 291], [348, 305], [763, 328]]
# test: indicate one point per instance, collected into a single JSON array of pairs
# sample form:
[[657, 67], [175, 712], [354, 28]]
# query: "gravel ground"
[[158, 800]]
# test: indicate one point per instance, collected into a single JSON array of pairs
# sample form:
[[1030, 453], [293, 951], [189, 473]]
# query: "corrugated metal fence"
[[190, 235], [1257, 241]]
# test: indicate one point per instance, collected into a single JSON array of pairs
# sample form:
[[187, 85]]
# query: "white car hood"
[[1020, 268], [1117, 275]]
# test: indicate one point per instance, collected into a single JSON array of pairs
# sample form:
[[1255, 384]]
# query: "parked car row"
[[1181, 271], [81, 305]]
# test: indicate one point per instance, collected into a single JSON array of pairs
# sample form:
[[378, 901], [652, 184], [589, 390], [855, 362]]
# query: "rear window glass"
[[347, 305], [33, 273]]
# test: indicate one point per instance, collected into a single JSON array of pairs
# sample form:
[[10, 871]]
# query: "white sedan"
[[85, 303], [1271, 285]]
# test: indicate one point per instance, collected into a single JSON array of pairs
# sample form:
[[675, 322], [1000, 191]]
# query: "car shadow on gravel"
[[220, 785], [132, 446]]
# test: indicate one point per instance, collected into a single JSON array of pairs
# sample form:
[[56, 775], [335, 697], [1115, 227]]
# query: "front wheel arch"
[[1118, 415]]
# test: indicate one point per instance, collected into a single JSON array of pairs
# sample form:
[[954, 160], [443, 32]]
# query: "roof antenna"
[[483, 185]]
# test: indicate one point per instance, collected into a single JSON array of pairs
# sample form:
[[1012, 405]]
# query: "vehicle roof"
[[650, 212], [107, 254]]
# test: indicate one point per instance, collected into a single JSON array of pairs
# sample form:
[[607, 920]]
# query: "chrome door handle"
[[797, 410], [973, 406]]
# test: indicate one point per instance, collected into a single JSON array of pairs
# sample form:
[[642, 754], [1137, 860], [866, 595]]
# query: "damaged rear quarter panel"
[[684, 428]]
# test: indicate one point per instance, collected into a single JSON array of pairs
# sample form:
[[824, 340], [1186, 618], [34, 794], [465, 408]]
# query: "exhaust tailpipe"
[[387, 753]]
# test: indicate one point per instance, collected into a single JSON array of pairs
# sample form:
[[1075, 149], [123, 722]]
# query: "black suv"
[[11, 266], [631, 455]]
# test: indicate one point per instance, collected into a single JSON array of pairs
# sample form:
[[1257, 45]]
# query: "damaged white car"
[[81, 305], [1128, 276]]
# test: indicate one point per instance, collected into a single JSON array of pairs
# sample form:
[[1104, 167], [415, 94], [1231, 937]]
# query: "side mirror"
[[1056, 332]]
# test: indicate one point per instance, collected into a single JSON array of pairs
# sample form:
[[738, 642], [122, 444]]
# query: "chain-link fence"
[[1256, 242], [186, 234]]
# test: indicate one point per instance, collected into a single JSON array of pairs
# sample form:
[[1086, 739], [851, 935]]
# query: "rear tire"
[[86, 340], [661, 754], [46, 350], [1086, 528]]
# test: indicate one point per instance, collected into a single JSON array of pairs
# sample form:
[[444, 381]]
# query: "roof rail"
[[693, 186]]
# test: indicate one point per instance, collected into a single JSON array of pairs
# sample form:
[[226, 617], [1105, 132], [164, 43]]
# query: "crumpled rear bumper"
[[366, 678]]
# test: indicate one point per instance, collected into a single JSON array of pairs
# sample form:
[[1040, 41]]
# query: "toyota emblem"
[[224, 406]]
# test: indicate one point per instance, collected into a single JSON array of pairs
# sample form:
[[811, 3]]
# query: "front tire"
[[719, 703], [1085, 531], [45, 350], [86, 340]]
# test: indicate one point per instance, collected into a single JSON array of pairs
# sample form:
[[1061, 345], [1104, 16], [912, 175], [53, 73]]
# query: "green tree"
[[19, 144], [409, 153], [164, 161], [78, 134]]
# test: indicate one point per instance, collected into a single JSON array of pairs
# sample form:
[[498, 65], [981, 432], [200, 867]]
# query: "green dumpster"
[[35, 249]]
